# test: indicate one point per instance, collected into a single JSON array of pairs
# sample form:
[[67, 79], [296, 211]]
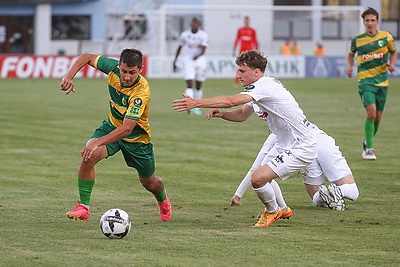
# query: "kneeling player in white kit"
[[329, 161], [194, 43], [296, 143]]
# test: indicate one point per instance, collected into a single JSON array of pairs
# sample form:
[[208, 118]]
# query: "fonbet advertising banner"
[[20, 66]]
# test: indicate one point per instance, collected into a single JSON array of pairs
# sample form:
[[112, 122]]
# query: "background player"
[[246, 37], [194, 43], [296, 144], [126, 128], [373, 48]]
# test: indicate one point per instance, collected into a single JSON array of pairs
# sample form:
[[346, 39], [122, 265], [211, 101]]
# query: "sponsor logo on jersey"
[[373, 56], [248, 88], [263, 116], [137, 102], [306, 122]]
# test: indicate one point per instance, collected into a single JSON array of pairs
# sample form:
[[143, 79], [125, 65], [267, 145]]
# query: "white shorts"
[[330, 162], [291, 160], [195, 69]]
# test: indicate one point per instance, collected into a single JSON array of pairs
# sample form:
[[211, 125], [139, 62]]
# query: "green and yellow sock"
[[162, 196], [85, 188], [369, 130]]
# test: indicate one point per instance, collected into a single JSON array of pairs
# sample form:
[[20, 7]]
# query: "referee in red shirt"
[[247, 38]]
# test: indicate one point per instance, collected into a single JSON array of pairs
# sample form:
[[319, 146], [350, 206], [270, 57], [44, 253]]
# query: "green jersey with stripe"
[[372, 57], [132, 102]]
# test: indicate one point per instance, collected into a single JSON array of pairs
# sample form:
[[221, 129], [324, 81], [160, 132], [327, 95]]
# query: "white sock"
[[278, 195], [198, 94], [349, 191], [267, 196], [244, 184], [318, 202], [189, 92]]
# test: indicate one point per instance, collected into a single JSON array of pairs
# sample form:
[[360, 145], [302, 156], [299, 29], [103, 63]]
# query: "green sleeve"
[[106, 64], [391, 44], [353, 47]]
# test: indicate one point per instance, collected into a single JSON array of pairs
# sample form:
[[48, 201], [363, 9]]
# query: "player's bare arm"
[[178, 51], [350, 64], [66, 83], [124, 130], [188, 103], [237, 115], [392, 61], [214, 113]]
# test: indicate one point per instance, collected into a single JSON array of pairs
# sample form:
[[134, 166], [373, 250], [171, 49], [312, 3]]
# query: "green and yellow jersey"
[[131, 102], [372, 57]]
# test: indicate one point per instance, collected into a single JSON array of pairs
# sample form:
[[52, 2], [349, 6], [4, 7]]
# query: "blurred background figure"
[[296, 50], [319, 50], [194, 42], [286, 48], [246, 37]]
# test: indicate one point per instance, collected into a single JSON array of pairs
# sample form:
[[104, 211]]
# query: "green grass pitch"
[[42, 132]]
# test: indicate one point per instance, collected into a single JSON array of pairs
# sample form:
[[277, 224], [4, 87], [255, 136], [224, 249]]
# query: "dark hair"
[[253, 59], [195, 19], [131, 57], [370, 11]]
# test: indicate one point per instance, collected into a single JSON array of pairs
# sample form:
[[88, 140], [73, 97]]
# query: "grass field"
[[42, 132]]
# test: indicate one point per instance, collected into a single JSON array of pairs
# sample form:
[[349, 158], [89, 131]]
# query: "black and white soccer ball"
[[115, 223]]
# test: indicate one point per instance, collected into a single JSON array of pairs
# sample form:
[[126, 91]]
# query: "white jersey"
[[192, 42], [283, 115]]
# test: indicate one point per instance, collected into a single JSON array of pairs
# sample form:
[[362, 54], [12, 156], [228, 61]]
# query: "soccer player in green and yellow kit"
[[126, 128], [373, 48]]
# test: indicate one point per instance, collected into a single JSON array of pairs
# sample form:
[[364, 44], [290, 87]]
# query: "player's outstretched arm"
[[214, 113], [188, 103], [237, 115], [66, 83]]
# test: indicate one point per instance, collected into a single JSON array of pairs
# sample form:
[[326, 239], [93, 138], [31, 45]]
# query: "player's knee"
[[89, 163], [353, 192], [257, 180], [371, 114], [152, 183], [350, 191]]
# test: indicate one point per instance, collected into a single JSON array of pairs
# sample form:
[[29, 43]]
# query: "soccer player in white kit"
[[329, 162], [194, 43], [296, 143]]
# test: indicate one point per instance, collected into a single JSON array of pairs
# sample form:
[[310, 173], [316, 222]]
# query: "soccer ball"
[[115, 223]]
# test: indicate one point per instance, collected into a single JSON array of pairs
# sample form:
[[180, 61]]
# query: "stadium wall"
[[28, 66]]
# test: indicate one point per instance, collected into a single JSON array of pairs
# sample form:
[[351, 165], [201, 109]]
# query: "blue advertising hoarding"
[[326, 67], [330, 67]]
